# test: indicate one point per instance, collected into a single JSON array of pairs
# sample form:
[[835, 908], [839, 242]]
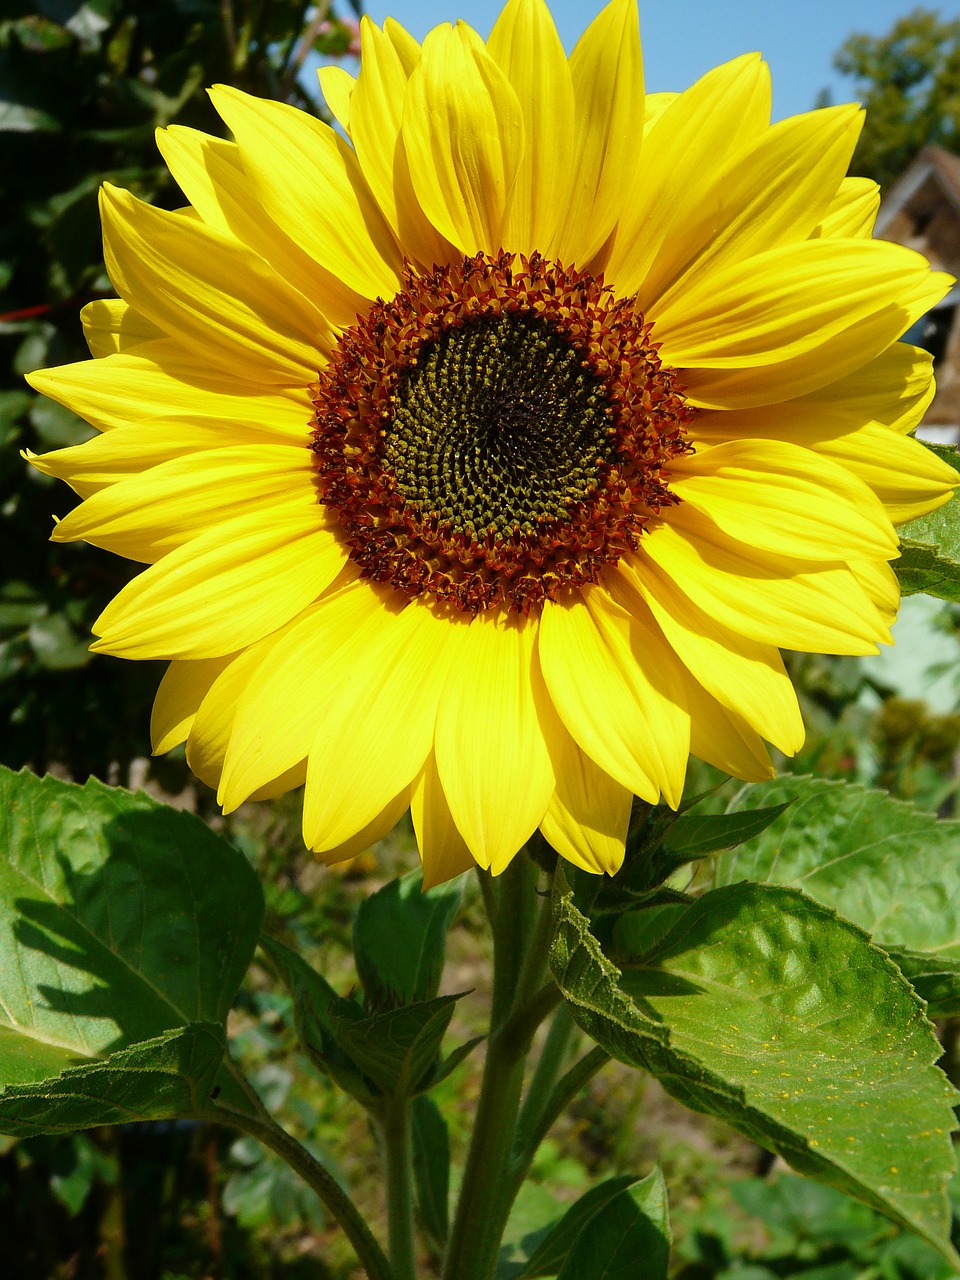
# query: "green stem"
[[541, 1114], [555, 1049], [328, 1190], [520, 1002], [397, 1139]]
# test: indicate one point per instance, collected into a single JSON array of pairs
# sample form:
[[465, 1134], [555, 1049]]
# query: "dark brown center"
[[496, 432]]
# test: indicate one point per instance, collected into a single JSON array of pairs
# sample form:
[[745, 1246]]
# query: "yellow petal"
[[525, 43], [894, 389], [404, 43], [111, 325], [278, 716], [689, 143], [607, 680], [376, 725], [182, 689], [205, 288], [785, 302], [377, 115], [607, 71], [784, 499], [908, 478], [849, 350], [150, 514], [852, 211], [210, 731], [337, 86], [881, 584], [164, 380], [769, 194], [225, 589], [793, 604], [372, 833], [724, 739], [463, 136], [491, 745], [125, 452], [589, 813], [211, 175], [747, 678], [309, 182], [443, 850]]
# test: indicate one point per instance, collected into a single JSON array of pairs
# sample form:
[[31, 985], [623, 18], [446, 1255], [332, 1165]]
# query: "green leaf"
[[888, 867], [164, 1078], [930, 545], [398, 1049], [628, 1237], [548, 1257], [399, 938], [318, 1012], [367, 1054], [16, 117], [936, 978], [120, 919], [763, 1008], [694, 836], [431, 1169], [56, 644]]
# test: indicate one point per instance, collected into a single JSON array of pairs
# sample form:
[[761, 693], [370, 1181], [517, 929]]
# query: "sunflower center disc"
[[499, 427], [496, 432]]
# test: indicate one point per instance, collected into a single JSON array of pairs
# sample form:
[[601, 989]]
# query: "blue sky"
[[684, 38]]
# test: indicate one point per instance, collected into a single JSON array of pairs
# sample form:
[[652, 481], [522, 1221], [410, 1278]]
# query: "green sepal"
[[698, 835], [169, 1077], [930, 545], [399, 940], [890, 868], [629, 1235], [765, 1009], [431, 1169], [661, 841]]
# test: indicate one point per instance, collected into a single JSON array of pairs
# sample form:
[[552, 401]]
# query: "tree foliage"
[[909, 82]]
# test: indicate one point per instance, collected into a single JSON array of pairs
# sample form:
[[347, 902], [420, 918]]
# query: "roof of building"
[[932, 162]]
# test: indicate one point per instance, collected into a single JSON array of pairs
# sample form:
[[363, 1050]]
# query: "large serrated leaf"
[[930, 545], [120, 920], [763, 1008], [164, 1078], [888, 867]]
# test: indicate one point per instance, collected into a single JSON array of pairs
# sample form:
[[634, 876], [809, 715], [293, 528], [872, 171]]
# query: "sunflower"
[[485, 455]]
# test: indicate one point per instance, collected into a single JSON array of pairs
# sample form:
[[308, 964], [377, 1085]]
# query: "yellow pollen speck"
[[894, 1169]]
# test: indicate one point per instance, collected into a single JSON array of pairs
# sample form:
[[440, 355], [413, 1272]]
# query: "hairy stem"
[[397, 1140], [330, 1193], [521, 1000]]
